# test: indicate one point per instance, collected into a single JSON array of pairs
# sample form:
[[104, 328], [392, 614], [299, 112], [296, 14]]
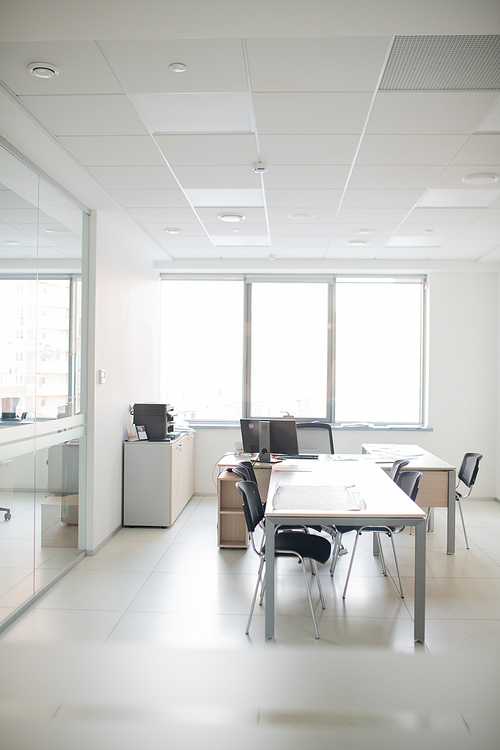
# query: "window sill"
[[232, 425]]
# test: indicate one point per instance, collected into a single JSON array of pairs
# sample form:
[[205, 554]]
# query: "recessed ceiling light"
[[11, 242], [56, 231], [173, 230], [481, 178], [300, 217], [364, 231], [43, 70], [259, 168], [358, 243], [232, 218], [178, 67], [236, 229]]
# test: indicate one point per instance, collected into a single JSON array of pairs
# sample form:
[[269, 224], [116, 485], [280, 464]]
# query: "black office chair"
[[315, 437], [408, 481], [467, 474], [8, 514], [397, 468], [287, 544]]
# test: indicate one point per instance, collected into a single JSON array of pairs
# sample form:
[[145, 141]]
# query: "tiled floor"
[[174, 587]]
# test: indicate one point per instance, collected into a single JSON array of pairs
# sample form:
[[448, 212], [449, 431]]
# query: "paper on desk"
[[290, 467], [318, 498]]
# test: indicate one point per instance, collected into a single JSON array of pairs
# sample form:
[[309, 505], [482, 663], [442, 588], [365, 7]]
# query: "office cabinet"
[[158, 480], [231, 525]]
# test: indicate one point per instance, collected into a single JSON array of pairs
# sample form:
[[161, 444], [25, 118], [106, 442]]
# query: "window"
[[342, 349]]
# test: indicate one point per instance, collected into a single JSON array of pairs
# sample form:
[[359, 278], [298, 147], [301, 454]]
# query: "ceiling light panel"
[[83, 68], [119, 150], [429, 112], [213, 65], [213, 149], [338, 63], [465, 198], [208, 197], [86, 115], [253, 215], [196, 113], [305, 113], [453, 177], [135, 177]]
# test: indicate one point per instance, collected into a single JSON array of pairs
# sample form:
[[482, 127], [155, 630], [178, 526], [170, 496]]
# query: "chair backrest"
[[248, 466], [409, 481], [252, 505], [469, 468], [396, 468], [315, 437]]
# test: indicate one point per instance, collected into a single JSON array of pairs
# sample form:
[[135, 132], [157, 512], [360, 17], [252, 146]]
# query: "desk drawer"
[[433, 489]]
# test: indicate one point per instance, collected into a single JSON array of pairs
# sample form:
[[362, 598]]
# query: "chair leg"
[[335, 553], [358, 534], [381, 555], [463, 522], [397, 567], [430, 519], [259, 578], [314, 566], [310, 601]]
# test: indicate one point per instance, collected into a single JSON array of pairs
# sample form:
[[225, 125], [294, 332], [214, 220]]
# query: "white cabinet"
[[158, 481]]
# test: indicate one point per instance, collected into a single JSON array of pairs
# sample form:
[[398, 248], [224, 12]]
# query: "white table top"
[[419, 458], [382, 497]]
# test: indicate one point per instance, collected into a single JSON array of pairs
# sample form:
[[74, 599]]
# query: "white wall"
[[462, 361], [123, 341]]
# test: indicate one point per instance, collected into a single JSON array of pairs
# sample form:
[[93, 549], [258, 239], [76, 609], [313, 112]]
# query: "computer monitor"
[[282, 436]]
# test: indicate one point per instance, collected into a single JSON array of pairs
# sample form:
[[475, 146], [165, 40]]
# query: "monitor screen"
[[284, 437], [250, 435]]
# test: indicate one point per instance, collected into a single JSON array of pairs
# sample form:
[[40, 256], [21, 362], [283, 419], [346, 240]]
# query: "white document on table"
[[318, 498]]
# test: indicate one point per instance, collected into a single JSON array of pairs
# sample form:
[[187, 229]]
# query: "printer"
[[158, 420]]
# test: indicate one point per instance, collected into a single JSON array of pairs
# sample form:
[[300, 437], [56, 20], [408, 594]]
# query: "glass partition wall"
[[42, 420]]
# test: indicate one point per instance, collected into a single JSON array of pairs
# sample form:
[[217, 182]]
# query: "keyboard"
[[306, 455]]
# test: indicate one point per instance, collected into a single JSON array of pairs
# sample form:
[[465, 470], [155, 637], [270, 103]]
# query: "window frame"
[[248, 279]]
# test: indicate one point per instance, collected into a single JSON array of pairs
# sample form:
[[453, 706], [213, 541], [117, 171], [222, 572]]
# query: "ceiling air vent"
[[469, 62]]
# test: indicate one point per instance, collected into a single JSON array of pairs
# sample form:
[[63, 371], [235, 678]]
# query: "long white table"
[[386, 505]]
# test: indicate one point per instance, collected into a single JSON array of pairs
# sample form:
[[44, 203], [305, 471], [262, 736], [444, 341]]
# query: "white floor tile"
[[94, 589], [125, 556], [61, 626]]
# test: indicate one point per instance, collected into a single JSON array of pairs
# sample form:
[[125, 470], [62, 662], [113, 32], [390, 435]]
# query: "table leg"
[[376, 545], [451, 512], [270, 561], [419, 613]]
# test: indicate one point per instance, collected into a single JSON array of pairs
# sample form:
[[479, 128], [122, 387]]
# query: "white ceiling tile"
[[491, 123], [303, 199], [451, 177], [311, 113], [151, 198], [299, 229], [302, 149], [328, 177], [118, 150], [352, 231], [310, 253], [464, 198], [491, 257], [409, 149], [432, 112], [172, 216], [196, 113], [86, 115], [351, 253], [367, 216], [253, 215], [83, 68], [416, 241], [343, 242], [405, 253], [244, 229], [193, 252], [422, 230], [480, 149], [209, 149], [8, 199], [190, 229], [225, 197], [212, 64], [320, 216], [243, 252], [488, 243], [470, 253], [305, 242], [170, 242], [135, 178], [479, 230], [393, 177], [376, 198], [218, 177], [236, 241], [431, 216], [490, 216], [328, 64]]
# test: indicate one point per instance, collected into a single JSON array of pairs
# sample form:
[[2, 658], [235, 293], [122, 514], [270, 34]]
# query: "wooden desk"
[[386, 504], [437, 486]]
